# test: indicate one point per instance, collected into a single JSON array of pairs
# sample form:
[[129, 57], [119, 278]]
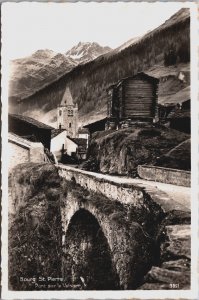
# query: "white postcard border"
[[138, 294]]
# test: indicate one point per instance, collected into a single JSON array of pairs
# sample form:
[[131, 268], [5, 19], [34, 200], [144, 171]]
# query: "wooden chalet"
[[133, 98], [30, 129]]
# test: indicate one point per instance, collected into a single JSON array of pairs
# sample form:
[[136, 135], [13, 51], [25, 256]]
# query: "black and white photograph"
[[99, 150]]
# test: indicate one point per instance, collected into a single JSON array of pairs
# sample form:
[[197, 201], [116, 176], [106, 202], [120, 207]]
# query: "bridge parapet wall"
[[125, 193], [165, 175]]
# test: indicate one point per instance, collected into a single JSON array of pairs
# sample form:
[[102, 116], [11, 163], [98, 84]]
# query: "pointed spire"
[[67, 98]]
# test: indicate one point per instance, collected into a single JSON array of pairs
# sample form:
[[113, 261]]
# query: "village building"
[[67, 115], [30, 129], [71, 146], [58, 142], [83, 133], [99, 125], [81, 149], [180, 117], [186, 105], [177, 115], [132, 99], [61, 144], [21, 150], [181, 121]]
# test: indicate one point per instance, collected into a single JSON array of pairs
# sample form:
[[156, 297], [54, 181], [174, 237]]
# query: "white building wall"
[[84, 136], [57, 144], [58, 141], [70, 146]]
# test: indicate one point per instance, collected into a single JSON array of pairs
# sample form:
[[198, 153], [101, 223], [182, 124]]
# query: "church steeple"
[[67, 114], [67, 98]]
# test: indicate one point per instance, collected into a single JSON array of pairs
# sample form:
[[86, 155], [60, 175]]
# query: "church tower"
[[67, 114]]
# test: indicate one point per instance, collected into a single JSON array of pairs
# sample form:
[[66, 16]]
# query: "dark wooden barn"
[[133, 98], [30, 129]]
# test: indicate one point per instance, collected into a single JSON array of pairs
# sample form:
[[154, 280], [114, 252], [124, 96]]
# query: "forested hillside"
[[165, 49]]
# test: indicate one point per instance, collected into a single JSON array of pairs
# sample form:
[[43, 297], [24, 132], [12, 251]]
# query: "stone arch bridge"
[[106, 232]]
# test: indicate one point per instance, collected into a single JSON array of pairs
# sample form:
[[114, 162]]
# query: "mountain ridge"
[[34, 72], [88, 82], [181, 16]]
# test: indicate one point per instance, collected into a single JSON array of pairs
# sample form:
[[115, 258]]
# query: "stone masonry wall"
[[165, 175], [16, 152]]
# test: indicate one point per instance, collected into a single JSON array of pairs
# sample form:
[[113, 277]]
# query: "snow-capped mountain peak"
[[85, 51], [31, 73]]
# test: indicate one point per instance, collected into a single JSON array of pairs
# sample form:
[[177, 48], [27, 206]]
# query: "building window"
[[60, 112], [70, 125], [70, 112]]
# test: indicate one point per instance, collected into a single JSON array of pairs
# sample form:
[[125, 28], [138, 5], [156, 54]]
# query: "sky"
[[28, 27]]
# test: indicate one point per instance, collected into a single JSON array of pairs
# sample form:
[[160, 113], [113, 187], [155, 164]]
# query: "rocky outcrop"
[[173, 269], [120, 152], [34, 226]]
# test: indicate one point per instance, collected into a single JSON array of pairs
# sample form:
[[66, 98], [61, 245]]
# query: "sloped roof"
[[67, 98], [83, 131], [141, 75], [12, 137], [138, 75], [30, 121], [82, 144], [56, 132], [179, 97], [179, 114], [80, 141], [70, 138], [101, 121]]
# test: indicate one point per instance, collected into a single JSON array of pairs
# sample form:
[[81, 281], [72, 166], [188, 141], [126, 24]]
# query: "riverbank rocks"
[[173, 271], [177, 243]]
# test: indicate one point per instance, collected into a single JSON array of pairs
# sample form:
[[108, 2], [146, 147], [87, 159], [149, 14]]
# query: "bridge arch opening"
[[87, 262]]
